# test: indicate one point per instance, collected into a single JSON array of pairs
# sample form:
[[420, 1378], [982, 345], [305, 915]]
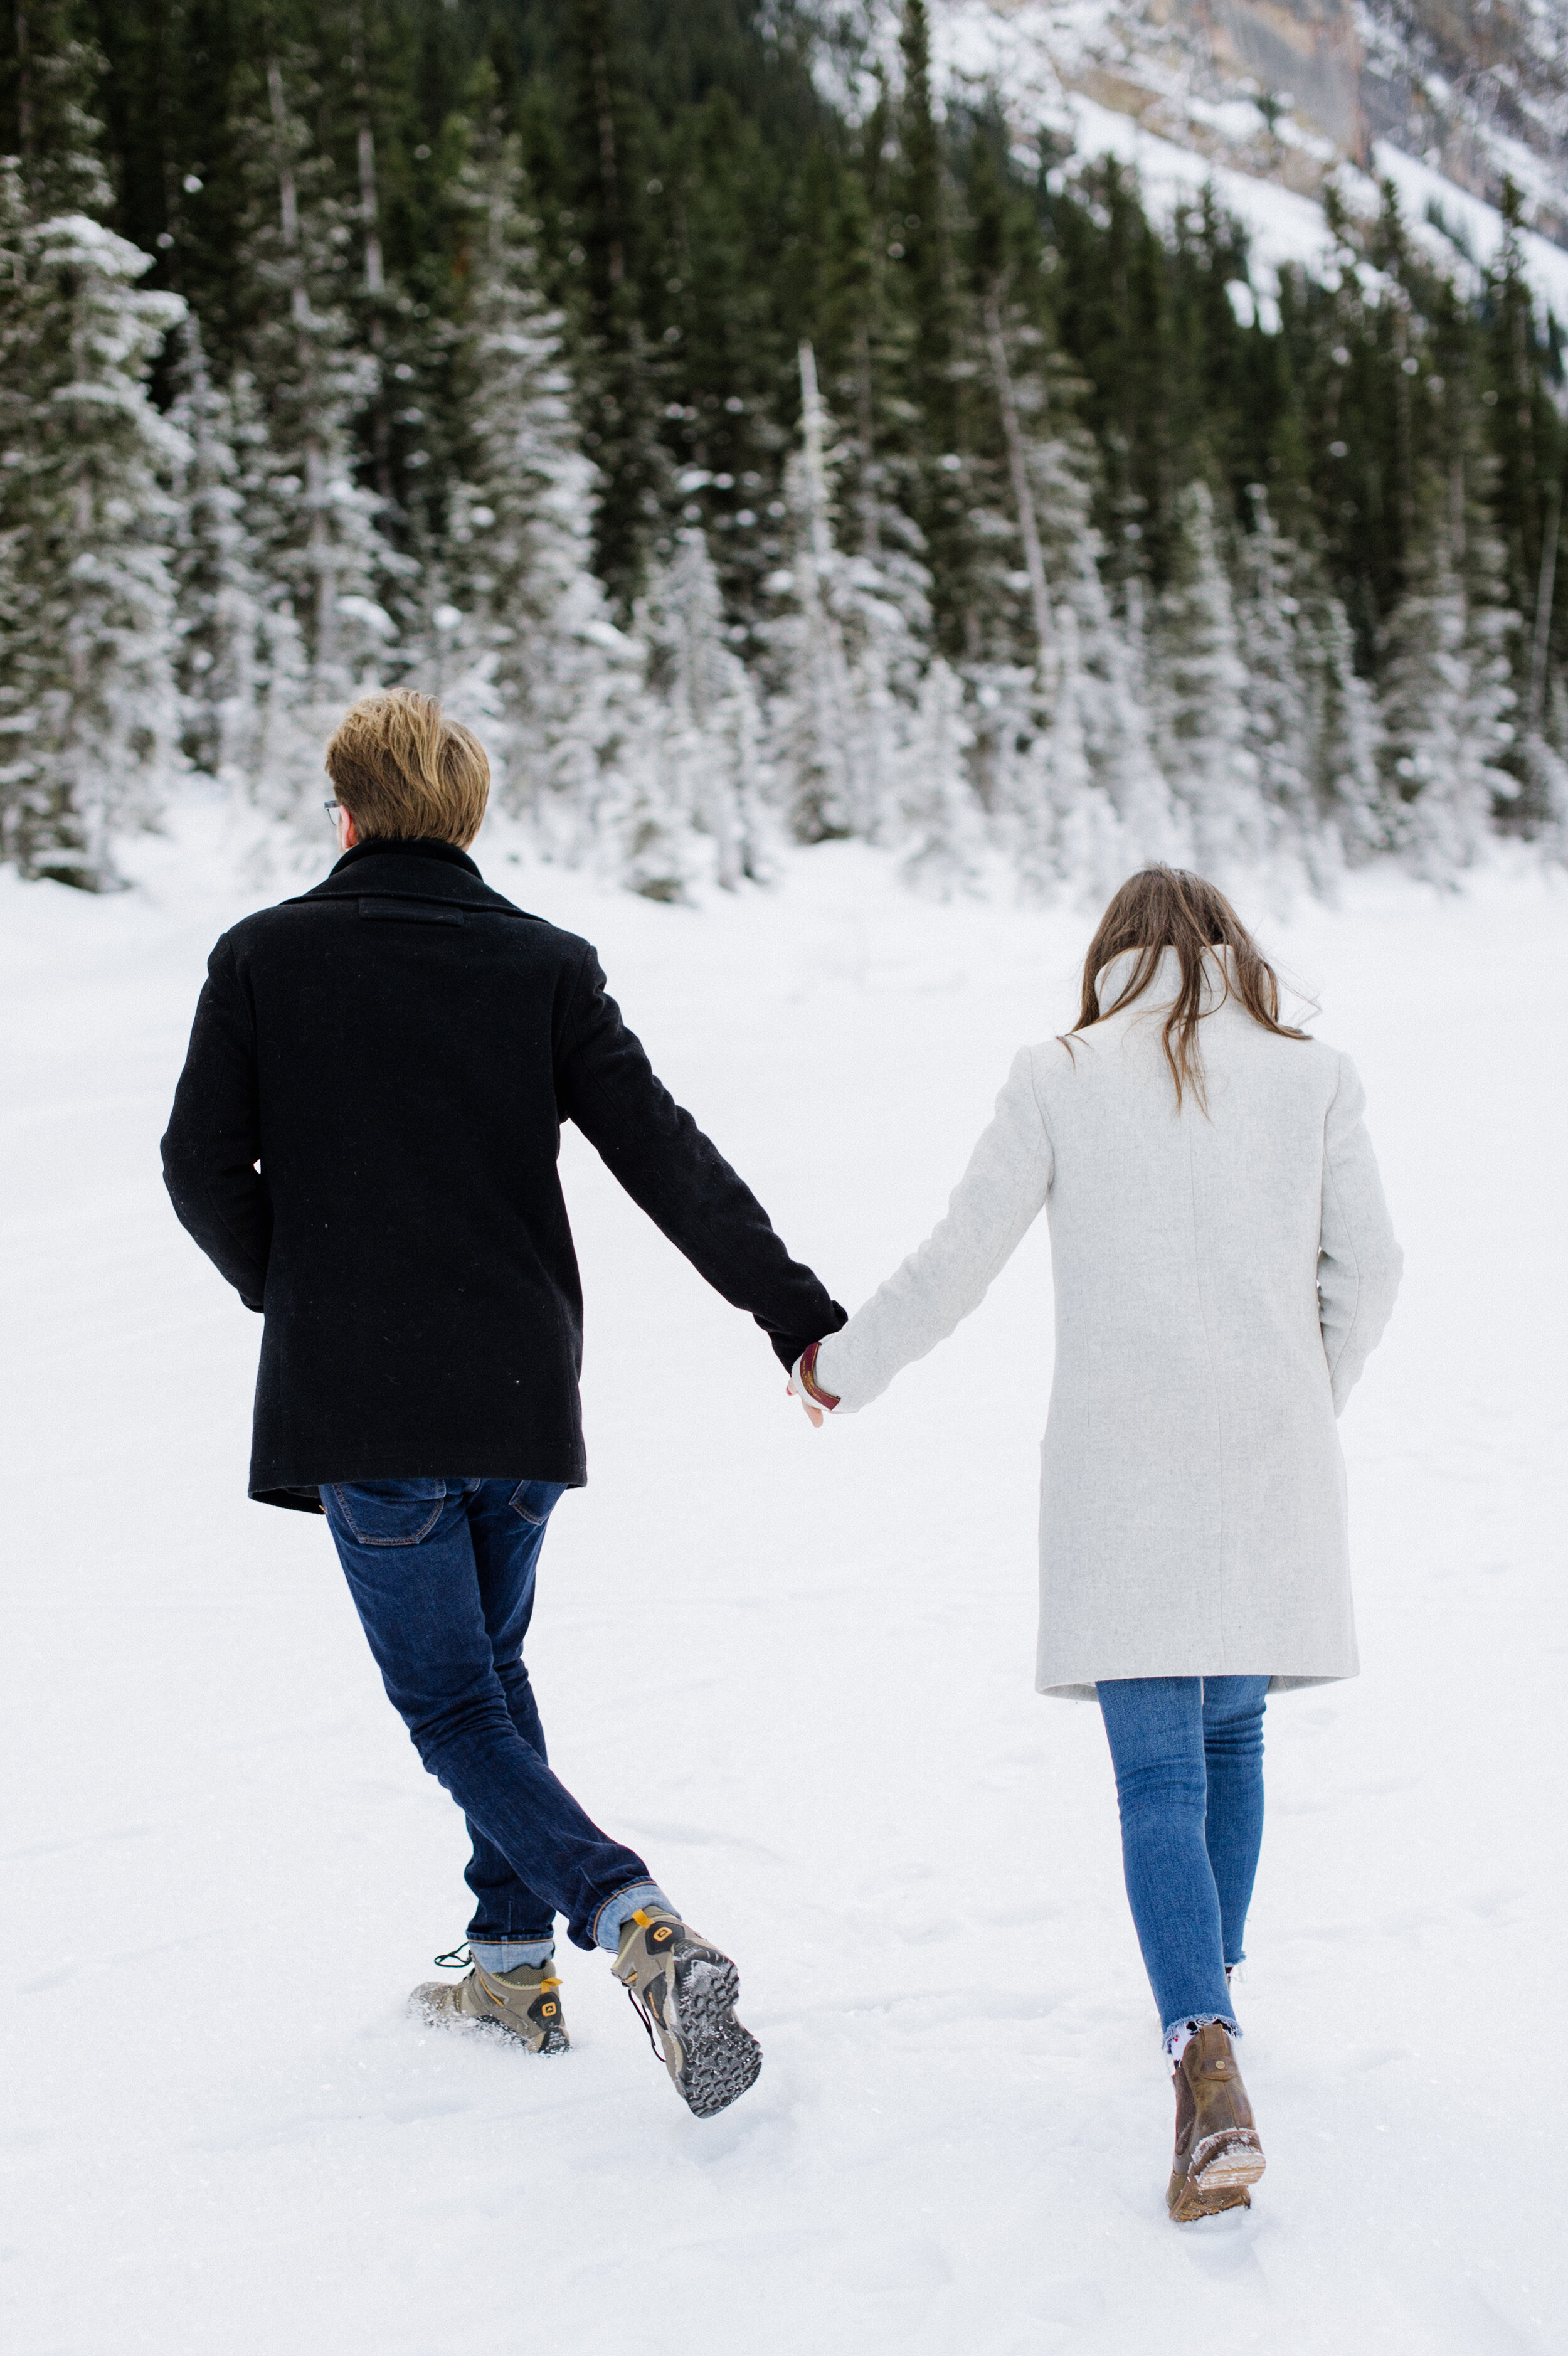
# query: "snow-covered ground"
[[794, 1669]]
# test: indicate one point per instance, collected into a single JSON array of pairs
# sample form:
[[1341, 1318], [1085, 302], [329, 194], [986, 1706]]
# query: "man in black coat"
[[363, 1141]]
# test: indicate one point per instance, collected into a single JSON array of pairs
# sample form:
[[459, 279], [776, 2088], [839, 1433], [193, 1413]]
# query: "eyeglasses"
[[334, 811]]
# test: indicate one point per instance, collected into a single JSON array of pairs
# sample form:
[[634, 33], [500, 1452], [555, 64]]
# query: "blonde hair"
[[403, 773]]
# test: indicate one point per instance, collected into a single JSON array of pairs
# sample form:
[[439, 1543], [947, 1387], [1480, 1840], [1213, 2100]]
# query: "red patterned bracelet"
[[808, 1375]]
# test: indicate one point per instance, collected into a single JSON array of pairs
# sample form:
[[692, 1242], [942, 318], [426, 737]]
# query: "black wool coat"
[[363, 1141]]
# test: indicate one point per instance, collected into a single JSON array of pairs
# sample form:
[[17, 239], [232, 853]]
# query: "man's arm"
[[213, 1138], [606, 1084]]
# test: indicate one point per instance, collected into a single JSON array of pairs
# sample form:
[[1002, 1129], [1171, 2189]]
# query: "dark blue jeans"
[[442, 1575], [1188, 1756]]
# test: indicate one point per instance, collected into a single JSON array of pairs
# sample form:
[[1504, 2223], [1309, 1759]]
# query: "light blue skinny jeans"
[[1188, 1756]]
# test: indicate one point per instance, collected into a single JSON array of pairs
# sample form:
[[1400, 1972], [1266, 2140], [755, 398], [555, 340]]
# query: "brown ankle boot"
[[1218, 2154]]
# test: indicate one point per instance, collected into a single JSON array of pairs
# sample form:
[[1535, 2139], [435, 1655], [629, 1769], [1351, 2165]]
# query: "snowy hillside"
[[797, 1669], [1272, 105]]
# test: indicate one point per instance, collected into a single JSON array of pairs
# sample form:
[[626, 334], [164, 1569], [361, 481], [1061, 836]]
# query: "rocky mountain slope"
[[1450, 98]]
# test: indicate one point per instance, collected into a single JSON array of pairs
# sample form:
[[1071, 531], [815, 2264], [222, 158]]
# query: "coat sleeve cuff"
[[805, 1382]]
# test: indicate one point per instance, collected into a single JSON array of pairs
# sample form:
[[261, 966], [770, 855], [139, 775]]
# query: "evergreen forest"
[[753, 442]]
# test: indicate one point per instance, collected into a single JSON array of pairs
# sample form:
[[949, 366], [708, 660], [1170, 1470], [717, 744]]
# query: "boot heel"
[[1225, 2163]]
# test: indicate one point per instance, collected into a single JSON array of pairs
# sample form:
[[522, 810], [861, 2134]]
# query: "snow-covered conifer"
[[1274, 699], [1201, 685], [1446, 694], [88, 715], [220, 596], [846, 655], [312, 526], [540, 660], [1342, 727], [1063, 756], [54, 76], [710, 720], [1083, 797], [1114, 688], [941, 822]]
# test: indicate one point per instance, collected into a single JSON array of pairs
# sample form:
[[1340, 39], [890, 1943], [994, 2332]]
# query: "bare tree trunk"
[[375, 275], [832, 729], [608, 162], [869, 536], [24, 84], [816, 467], [1023, 490], [1544, 591], [375, 271], [319, 546]]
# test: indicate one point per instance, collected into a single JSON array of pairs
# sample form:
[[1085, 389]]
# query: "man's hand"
[[804, 1387]]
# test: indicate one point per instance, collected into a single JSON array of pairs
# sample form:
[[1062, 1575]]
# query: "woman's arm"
[[994, 1204], [1358, 1262]]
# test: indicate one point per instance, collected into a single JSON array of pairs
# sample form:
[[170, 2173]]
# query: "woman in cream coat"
[[1223, 1263]]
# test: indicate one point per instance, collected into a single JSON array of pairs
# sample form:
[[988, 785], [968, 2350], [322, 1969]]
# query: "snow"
[[1287, 231], [1284, 230], [1031, 52], [1475, 228], [795, 1668]]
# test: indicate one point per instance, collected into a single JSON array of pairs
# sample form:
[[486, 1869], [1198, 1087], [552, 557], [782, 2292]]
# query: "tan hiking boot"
[[1218, 2154], [685, 1992], [524, 2001]]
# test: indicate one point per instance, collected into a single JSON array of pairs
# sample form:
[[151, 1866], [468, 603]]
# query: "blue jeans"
[[1189, 1755], [442, 1575]]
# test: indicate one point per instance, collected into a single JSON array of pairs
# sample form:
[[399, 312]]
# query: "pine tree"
[[710, 731], [941, 478], [1444, 702], [848, 659], [311, 523], [221, 598], [541, 657], [1342, 728], [607, 224], [1200, 686], [88, 709], [247, 715], [48, 123], [1114, 687], [1276, 700], [940, 818]]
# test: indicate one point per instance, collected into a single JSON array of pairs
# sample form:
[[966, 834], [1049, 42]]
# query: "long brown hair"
[[1166, 909]]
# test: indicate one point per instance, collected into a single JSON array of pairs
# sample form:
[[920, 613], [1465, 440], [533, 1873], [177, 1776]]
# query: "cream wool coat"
[[1219, 1280]]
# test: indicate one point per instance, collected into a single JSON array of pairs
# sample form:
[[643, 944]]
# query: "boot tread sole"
[[718, 2058]]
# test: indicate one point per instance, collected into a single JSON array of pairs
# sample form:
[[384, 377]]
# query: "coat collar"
[[1165, 985], [423, 847], [408, 871]]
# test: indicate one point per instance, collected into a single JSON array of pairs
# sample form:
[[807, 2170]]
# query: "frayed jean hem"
[[1198, 2020]]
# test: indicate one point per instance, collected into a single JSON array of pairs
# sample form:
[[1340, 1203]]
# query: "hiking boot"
[[685, 1992], [1218, 2154], [524, 2002]]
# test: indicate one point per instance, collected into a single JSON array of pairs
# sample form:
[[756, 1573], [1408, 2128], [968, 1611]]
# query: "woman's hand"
[[804, 1386], [814, 1414]]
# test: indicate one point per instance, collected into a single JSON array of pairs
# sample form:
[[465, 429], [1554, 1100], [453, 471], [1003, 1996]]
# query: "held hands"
[[804, 1386]]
